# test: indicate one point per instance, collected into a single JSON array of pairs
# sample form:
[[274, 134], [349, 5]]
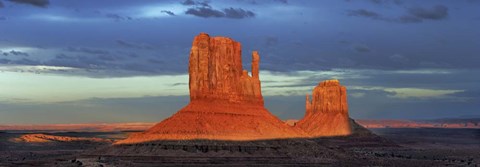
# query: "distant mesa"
[[463, 123], [226, 102], [44, 138]]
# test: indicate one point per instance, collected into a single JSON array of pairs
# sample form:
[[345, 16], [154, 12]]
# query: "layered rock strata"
[[326, 111], [225, 102]]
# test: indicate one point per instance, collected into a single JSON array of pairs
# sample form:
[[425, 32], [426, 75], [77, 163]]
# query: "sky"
[[69, 61]]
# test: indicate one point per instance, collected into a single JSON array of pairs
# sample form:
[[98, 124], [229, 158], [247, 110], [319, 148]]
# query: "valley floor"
[[394, 147]]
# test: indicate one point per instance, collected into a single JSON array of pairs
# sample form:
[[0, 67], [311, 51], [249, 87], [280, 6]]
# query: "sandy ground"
[[411, 147]]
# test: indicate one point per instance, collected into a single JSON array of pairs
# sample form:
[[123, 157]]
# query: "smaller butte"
[[326, 111]]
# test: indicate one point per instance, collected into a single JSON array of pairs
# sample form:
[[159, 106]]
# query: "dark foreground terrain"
[[393, 147]]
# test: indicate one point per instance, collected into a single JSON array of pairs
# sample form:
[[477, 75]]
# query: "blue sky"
[[66, 61]]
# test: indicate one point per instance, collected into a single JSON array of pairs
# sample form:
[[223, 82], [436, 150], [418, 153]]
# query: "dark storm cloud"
[[79, 61], [437, 12], [196, 3], [238, 13], [168, 12], [37, 3], [205, 12], [133, 45], [203, 9], [15, 53]]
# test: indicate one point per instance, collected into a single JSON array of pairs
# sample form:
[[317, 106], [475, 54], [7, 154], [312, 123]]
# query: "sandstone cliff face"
[[216, 72], [225, 102], [327, 111]]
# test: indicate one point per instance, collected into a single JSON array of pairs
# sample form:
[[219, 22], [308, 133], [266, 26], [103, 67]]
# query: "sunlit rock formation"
[[327, 111], [225, 102], [216, 73], [44, 138]]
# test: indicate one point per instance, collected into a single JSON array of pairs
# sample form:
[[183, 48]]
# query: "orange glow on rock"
[[226, 103]]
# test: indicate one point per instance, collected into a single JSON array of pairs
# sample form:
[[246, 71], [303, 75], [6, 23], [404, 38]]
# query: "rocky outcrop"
[[327, 111], [216, 72], [44, 138], [225, 102]]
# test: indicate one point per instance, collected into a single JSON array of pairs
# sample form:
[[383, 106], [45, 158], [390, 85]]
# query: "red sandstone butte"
[[327, 111], [225, 102]]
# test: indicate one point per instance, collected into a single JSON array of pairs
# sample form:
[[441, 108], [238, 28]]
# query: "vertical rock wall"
[[216, 72]]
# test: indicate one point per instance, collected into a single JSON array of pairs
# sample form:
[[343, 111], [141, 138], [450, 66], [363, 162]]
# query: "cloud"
[[377, 1], [117, 17], [133, 45], [357, 94], [468, 95], [3, 18], [77, 61], [238, 13], [437, 12], [18, 53], [26, 61], [203, 9], [361, 48], [37, 3], [35, 68], [205, 12], [1, 4], [188, 2], [414, 15], [420, 93], [87, 50], [253, 2], [196, 3], [5, 61], [399, 58], [398, 2], [15, 53], [282, 1], [179, 84], [409, 19], [232, 13], [363, 13], [168, 12]]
